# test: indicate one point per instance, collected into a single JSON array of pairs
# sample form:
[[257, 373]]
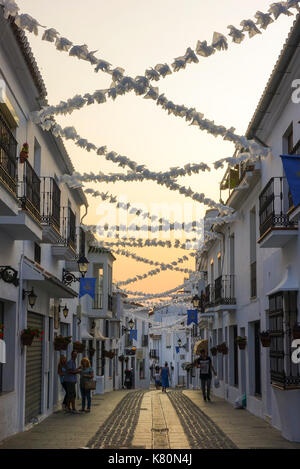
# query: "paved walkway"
[[152, 420], [244, 429]]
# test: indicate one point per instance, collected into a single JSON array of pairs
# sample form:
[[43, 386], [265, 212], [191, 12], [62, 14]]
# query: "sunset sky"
[[135, 35]]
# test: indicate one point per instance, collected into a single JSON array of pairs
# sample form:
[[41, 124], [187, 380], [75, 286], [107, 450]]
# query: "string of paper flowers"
[[163, 266], [145, 296], [141, 84]]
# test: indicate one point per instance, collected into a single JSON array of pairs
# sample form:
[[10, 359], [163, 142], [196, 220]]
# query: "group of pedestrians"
[[68, 372], [162, 375]]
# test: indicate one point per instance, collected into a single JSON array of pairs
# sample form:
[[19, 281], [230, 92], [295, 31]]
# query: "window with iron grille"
[[282, 317]]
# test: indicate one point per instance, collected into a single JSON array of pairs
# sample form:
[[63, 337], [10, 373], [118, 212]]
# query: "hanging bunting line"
[[145, 296], [163, 266], [141, 84]]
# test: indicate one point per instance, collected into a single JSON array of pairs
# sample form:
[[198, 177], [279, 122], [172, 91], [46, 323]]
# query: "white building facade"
[[253, 266], [39, 235]]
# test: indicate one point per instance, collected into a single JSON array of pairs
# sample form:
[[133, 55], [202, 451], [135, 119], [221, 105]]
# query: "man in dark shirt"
[[206, 367], [70, 380]]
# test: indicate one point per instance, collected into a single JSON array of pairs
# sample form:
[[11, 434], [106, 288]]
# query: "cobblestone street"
[[151, 420]]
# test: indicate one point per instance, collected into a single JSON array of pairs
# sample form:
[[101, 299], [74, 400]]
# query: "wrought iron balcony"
[[221, 293], [273, 207], [50, 203], [8, 158], [68, 228], [224, 290], [30, 191]]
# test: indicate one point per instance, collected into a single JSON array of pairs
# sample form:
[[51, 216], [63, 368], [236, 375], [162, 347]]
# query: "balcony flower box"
[[78, 347], [265, 338], [61, 343], [296, 331], [27, 335], [241, 342], [214, 351]]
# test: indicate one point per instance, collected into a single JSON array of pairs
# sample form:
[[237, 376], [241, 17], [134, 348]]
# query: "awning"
[[288, 283], [38, 276], [201, 344]]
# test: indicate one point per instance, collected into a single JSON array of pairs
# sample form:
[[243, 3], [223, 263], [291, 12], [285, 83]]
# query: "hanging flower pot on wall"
[[27, 335], [241, 342], [61, 343], [24, 153], [214, 351], [265, 338], [78, 347]]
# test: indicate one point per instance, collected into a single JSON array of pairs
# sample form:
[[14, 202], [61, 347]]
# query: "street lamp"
[[196, 301], [65, 311], [83, 265], [68, 277], [32, 297], [131, 324]]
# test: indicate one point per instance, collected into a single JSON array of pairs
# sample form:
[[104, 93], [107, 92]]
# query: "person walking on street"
[[86, 374], [71, 379], [62, 370], [128, 378], [206, 367], [165, 375]]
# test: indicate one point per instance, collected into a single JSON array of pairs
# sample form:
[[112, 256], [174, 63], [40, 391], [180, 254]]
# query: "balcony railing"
[[221, 293], [273, 206], [98, 301], [8, 157], [224, 290], [50, 202], [30, 191], [68, 228]]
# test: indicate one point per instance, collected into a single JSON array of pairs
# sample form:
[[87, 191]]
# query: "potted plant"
[[122, 358], [214, 351], [1, 331], [265, 338], [27, 335], [126, 359], [296, 331], [78, 347], [241, 342], [92, 351], [222, 348], [61, 343]]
